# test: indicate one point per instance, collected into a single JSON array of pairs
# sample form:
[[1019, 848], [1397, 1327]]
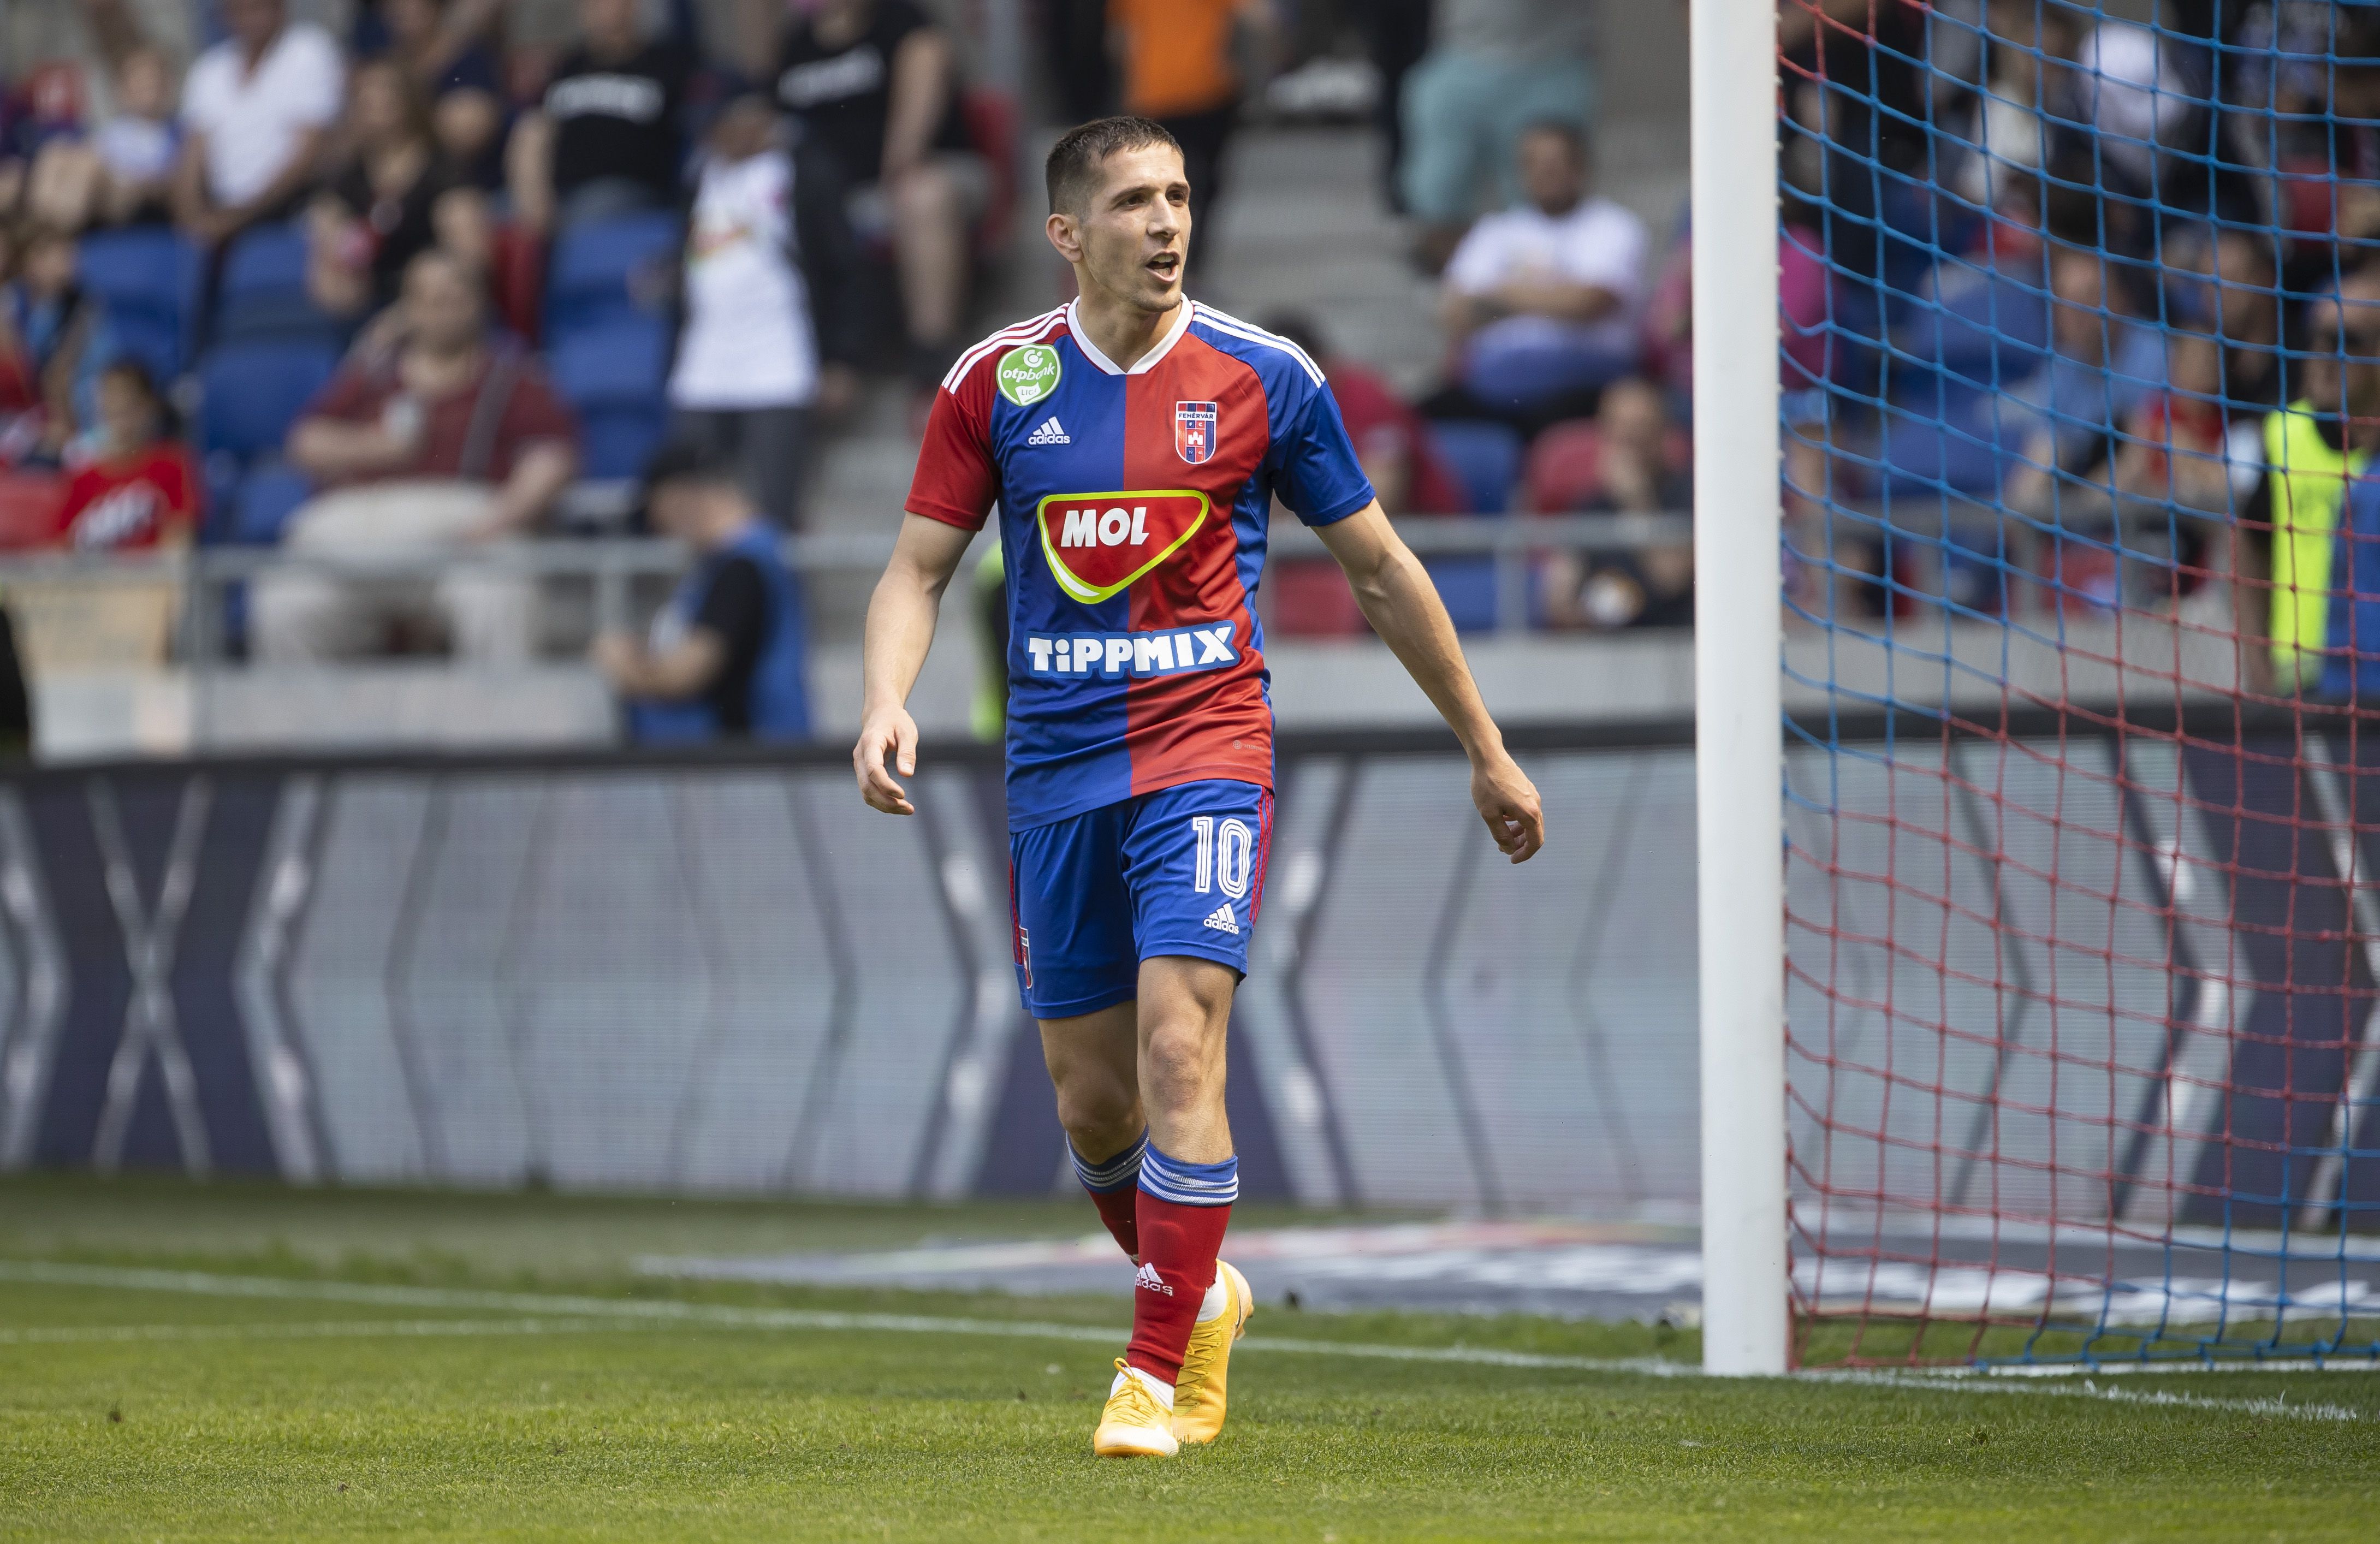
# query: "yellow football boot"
[[1198, 1394], [1135, 1424]]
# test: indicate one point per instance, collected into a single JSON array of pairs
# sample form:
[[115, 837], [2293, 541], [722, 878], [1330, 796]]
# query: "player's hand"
[[1508, 801], [890, 730]]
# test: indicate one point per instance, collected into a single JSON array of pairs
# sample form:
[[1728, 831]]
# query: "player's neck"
[[1121, 330]]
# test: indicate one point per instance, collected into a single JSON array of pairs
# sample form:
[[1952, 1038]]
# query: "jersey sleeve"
[[1317, 473], [956, 481]]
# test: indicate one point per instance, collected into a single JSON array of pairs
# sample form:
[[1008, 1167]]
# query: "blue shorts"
[[1179, 872]]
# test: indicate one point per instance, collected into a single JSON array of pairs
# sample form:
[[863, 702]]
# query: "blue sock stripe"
[[1120, 1173], [1169, 1179]]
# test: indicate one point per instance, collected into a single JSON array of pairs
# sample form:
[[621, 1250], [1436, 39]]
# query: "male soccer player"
[[1134, 441]]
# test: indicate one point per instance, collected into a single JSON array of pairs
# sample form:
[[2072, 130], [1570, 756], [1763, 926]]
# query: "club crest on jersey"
[[1098, 544], [1194, 430], [1027, 374]]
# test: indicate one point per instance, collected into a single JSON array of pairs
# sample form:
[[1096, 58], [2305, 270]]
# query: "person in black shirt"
[[875, 84], [381, 210], [606, 137], [725, 657]]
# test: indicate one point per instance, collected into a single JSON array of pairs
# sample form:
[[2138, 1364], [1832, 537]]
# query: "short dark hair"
[[688, 460], [124, 367], [1073, 168], [1568, 130]]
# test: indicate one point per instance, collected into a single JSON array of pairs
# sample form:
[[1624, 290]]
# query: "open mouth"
[[1165, 265]]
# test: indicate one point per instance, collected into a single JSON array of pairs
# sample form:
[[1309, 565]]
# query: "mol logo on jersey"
[[1194, 430], [1098, 544]]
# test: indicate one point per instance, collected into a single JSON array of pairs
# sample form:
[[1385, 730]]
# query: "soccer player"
[[1134, 441]]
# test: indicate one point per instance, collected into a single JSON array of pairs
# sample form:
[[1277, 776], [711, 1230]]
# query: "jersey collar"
[[1148, 362]]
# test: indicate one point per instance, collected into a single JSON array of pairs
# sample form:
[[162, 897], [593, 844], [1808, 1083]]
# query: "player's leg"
[[1189, 1177], [1077, 971], [1093, 1060], [1194, 860]]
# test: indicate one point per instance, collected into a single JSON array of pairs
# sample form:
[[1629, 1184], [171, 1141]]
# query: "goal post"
[[1740, 904]]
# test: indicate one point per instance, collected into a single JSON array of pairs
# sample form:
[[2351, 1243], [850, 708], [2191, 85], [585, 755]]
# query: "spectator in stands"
[[2313, 448], [138, 490], [1179, 68], [124, 169], [876, 84], [256, 109], [2101, 366], [381, 210], [60, 335], [767, 328], [451, 444], [2008, 124], [2177, 443], [443, 45], [2222, 282], [606, 139], [726, 657], [1494, 68], [1640, 469], [1542, 300], [23, 426]]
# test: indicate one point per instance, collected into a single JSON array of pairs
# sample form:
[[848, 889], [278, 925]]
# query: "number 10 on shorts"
[[1226, 853]]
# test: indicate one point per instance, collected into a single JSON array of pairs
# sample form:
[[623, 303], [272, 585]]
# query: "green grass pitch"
[[397, 1366]]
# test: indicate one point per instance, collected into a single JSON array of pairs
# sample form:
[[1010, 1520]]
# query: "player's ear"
[[1064, 234]]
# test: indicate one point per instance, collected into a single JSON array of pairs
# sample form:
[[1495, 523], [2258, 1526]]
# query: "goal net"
[[2080, 354]]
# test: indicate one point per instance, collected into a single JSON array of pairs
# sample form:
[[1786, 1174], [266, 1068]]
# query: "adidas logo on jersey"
[[1222, 921], [1050, 433], [1149, 1280]]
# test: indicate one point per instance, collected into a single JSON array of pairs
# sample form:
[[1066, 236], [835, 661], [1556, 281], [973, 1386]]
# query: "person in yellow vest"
[[2313, 448]]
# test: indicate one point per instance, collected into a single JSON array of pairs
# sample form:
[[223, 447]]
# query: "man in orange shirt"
[[1177, 61]]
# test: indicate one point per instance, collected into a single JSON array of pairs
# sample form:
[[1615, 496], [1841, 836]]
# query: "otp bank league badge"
[[1098, 544], [1194, 431], [1027, 374]]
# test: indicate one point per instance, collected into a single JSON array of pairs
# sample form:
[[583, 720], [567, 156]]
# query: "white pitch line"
[[669, 1312], [665, 1311], [1954, 1384]]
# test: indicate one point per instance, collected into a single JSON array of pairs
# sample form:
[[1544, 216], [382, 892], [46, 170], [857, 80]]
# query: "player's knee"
[[1100, 1115], [1182, 1065]]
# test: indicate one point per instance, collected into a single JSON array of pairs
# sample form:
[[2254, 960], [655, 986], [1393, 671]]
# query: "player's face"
[[1134, 234]]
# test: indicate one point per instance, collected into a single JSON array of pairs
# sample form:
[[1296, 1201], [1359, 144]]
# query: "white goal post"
[[1738, 745]]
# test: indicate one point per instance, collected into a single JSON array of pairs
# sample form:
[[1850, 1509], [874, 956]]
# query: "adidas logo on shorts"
[[1149, 1280], [1049, 434], [1222, 921]]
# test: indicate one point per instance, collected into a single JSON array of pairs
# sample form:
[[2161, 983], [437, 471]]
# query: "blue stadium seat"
[[1467, 585], [254, 388], [261, 507], [589, 281], [148, 277], [263, 292], [617, 440], [1485, 458], [613, 373]]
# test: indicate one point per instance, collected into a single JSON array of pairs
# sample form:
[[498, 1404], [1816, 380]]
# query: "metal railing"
[[613, 566]]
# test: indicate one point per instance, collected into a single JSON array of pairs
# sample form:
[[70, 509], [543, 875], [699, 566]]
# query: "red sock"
[[1178, 1247], [1118, 1210]]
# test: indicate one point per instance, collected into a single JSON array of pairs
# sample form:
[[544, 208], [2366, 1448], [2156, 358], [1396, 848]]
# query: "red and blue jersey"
[[1133, 506]]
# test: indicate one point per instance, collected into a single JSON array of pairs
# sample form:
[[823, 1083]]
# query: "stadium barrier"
[[722, 974], [616, 571]]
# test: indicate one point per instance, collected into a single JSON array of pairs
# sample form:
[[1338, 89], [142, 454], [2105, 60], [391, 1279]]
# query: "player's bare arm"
[[1402, 606], [901, 617]]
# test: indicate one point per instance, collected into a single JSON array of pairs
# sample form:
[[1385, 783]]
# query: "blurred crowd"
[[2096, 322], [2072, 307]]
